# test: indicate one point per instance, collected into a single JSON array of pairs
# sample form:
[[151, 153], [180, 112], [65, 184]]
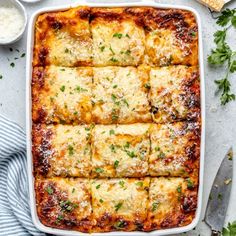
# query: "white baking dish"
[[30, 43]]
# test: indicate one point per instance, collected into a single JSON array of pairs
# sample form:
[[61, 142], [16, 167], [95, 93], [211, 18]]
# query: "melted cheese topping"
[[120, 203], [174, 93], [66, 39], [117, 43], [120, 151], [64, 201], [120, 95], [174, 149], [70, 151], [165, 208], [65, 95]]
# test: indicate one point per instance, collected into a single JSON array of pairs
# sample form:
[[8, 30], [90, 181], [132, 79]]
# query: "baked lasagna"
[[116, 119]]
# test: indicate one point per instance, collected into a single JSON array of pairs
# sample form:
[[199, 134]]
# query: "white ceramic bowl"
[[22, 11]]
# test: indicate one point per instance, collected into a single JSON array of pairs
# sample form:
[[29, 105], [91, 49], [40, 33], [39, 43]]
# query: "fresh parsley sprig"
[[230, 230], [223, 54]]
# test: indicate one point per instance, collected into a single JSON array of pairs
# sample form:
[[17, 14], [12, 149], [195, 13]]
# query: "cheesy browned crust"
[[172, 203], [120, 95], [62, 95], [175, 93], [120, 151], [119, 204], [63, 38], [64, 203], [116, 118], [175, 149], [171, 35], [62, 150]]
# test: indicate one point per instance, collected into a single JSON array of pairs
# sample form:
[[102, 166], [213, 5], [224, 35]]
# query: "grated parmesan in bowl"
[[12, 21]]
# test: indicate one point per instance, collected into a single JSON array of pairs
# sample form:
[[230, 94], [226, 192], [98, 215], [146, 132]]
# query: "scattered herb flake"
[[117, 35], [116, 163], [62, 88], [49, 190], [99, 170], [154, 206], [112, 131], [12, 64], [98, 186], [118, 206], [71, 150]]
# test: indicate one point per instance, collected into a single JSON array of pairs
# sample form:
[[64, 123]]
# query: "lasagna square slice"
[[61, 150], [175, 93], [120, 151], [62, 95], [63, 38], [120, 95], [175, 149], [64, 203], [117, 39], [172, 203], [119, 204], [171, 37]]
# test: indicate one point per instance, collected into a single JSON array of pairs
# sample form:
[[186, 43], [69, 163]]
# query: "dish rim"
[[29, 56]]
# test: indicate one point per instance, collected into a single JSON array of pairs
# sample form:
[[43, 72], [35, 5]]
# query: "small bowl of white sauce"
[[13, 20]]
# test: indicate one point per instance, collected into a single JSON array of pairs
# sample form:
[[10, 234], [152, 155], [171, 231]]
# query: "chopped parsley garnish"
[[12, 64], [79, 89], [190, 184], [131, 153], [110, 48], [127, 36], [67, 50], [179, 189], [102, 48], [71, 150], [114, 116], [127, 145], [157, 149], [147, 86], [121, 183], [62, 88], [112, 131], [73, 190], [119, 225], [117, 35], [118, 206], [113, 59], [98, 186], [100, 200], [99, 170], [115, 86], [22, 55], [1, 76], [59, 218], [154, 206], [230, 230], [140, 184], [161, 155], [49, 190], [116, 163], [112, 147], [113, 97], [125, 102], [127, 52], [68, 205]]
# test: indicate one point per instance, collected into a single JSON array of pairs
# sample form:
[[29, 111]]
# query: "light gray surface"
[[220, 121]]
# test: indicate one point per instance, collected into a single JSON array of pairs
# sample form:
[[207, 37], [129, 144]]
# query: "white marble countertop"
[[220, 121]]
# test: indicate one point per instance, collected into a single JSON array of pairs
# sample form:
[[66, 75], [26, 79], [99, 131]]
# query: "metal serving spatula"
[[220, 194]]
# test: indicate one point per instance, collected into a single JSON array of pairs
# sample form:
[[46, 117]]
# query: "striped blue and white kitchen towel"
[[15, 218]]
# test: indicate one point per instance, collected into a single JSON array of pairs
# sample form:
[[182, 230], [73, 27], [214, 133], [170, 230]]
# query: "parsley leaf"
[[223, 55], [225, 17], [233, 66], [220, 54], [118, 206], [230, 230], [220, 36]]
